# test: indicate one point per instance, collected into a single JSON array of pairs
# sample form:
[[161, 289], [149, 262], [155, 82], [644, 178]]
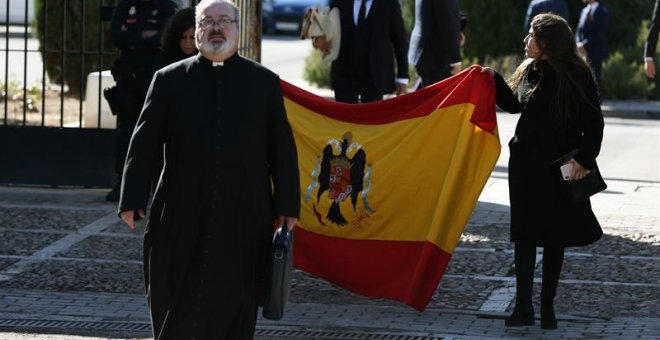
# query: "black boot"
[[553, 259], [525, 261], [548, 319], [523, 314]]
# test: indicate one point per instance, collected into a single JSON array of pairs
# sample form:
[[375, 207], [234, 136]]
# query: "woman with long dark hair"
[[178, 38], [556, 93]]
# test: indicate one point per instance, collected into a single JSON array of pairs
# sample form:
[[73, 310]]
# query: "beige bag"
[[320, 22]]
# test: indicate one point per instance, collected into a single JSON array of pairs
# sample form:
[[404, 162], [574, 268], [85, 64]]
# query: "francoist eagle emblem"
[[341, 176]]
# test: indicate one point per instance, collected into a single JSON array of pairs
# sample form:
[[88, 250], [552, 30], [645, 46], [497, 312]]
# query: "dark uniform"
[[134, 68]]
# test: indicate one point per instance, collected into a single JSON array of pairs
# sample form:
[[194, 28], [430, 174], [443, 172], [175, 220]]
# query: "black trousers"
[[132, 93], [525, 261], [434, 77], [356, 91]]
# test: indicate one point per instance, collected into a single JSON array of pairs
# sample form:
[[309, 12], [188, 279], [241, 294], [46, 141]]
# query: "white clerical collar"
[[218, 63]]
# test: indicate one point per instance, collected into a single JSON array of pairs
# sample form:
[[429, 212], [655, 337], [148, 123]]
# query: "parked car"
[[286, 15]]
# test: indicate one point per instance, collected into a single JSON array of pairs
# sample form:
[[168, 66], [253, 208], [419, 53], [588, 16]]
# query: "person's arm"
[[282, 159], [591, 118], [122, 37], [652, 42], [400, 42], [448, 21], [504, 96], [152, 38], [321, 43], [143, 150]]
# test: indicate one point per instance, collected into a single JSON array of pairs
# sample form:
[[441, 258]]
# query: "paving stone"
[[462, 294], [598, 301], [49, 219], [25, 244], [80, 276], [487, 235], [121, 228], [491, 264], [4, 263], [110, 248], [611, 269], [625, 244]]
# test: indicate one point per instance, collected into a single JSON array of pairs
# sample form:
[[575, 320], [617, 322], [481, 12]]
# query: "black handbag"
[[280, 275], [580, 190]]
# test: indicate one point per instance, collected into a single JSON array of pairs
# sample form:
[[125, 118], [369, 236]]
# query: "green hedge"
[[81, 15]]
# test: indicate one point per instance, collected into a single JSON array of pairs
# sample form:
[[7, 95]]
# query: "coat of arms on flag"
[[341, 175], [389, 186]]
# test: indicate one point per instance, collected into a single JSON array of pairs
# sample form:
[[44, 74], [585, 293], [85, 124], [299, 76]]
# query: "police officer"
[[136, 31]]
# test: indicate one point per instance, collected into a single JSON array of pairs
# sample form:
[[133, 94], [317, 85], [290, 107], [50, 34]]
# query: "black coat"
[[207, 241], [652, 38], [435, 42], [539, 209], [386, 40]]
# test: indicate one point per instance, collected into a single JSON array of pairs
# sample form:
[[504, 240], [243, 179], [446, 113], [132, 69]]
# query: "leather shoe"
[[523, 315]]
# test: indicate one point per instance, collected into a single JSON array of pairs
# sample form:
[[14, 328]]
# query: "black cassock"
[[230, 167]]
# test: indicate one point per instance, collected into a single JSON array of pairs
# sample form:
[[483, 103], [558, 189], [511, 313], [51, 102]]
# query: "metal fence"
[[37, 85], [55, 58]]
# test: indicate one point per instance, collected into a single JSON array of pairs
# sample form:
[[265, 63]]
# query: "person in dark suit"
[[372, 38], [590, 35], [555, 91], [652, 42], [136, 32], [535, 7], [435, 40], [230, 173]]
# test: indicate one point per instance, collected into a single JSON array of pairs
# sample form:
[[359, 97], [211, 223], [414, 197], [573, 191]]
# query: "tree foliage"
[[495, 27], [72, 34]]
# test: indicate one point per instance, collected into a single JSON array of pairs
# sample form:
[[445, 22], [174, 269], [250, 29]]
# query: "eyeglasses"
[[222, 23]]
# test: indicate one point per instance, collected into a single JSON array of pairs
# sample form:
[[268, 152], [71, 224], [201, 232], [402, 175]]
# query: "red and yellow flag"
[[389, 186]]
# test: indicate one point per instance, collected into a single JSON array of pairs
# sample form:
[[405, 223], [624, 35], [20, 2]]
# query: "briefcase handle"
[[281, 240]]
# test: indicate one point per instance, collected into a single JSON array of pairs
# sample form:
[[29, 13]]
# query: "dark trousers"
[[525, 261], [434, 77], [357, 92], [131, 94], [597, 66]]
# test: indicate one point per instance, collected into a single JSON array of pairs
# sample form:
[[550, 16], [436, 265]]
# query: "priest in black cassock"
[[230, 172]]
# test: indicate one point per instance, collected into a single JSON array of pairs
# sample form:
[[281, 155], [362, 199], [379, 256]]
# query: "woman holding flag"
[[556, 93]]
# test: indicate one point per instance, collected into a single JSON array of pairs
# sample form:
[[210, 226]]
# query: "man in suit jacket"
[[230, 173], [652, 42], [590, 35], [372, 37], [435, 40], [535, 7]]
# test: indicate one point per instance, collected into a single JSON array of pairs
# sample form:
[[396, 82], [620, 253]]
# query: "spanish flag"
[[389, 186]]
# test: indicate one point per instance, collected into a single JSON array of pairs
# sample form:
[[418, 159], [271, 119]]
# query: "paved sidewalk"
[[320, 310], [68, 266], [127, 313]]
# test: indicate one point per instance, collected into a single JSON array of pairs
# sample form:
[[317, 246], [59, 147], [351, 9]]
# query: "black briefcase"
[[280, 275]]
